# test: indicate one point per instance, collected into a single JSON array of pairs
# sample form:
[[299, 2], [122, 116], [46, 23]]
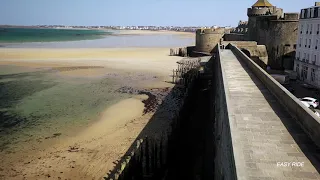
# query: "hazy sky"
[[134, 12]]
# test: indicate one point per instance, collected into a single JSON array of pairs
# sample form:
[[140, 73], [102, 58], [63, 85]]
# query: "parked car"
[[311, 101], [305, 103]]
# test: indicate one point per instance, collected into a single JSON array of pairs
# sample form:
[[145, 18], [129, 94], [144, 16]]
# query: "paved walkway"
[[265, 137]]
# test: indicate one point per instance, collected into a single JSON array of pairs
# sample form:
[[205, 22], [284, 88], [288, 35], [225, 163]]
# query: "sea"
[[39, 105], [48, 35], [85, 38]]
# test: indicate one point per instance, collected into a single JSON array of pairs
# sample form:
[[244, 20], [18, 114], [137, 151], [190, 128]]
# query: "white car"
[[306, 104], [311, 101]]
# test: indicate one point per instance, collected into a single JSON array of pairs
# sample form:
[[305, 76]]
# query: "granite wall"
[[207, 39], [304, 116], [224, 157], [280, 37]]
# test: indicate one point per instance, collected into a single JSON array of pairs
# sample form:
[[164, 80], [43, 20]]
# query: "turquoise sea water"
[[36, 103], [39, 103], [74, 38], [16, 35]]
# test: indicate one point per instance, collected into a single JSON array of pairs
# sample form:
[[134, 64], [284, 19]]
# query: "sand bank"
[[93, 53], [156, 60], [90, 153], [114, 117]]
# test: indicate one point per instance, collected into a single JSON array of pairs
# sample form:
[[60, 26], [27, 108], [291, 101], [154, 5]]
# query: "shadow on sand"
[[171, 146]]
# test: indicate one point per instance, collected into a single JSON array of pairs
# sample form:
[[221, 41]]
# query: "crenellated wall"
[[242, 28], [253, 13], [257, 12]]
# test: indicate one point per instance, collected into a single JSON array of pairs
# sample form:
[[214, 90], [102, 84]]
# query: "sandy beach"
[[88, 152], [155, 60]]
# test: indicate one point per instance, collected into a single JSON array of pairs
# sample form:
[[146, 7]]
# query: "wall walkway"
[[264, 136]]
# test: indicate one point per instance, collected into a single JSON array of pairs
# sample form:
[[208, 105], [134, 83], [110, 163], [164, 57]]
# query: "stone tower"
[[207, 39], [268, 25], [260, 8], [280, 36]]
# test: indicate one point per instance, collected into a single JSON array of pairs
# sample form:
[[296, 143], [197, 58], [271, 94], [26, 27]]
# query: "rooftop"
[[262, 3]]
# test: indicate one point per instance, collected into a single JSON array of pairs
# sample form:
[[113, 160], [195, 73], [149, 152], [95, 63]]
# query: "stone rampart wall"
[[224, 157], [304, 116]]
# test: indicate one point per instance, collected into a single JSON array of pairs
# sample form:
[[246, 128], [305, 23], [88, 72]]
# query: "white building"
[[307, 61]]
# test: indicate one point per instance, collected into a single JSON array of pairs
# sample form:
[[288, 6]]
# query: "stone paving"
[[265, 138]]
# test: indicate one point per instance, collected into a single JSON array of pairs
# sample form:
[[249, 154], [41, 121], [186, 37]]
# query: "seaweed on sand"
[[11, 92]]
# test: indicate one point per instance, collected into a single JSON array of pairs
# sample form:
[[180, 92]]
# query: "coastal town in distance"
[[149, 28]]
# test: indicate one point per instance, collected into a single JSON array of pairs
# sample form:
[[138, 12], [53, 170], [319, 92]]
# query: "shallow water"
[[48, 34], [36, 103], [40, 104], [119, 41]]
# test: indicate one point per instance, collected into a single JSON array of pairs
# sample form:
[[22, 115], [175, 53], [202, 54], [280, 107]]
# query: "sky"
[[134, 12]]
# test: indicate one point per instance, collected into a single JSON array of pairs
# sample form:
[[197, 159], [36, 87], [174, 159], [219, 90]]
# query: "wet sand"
[[145, 59], [88, 151]]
